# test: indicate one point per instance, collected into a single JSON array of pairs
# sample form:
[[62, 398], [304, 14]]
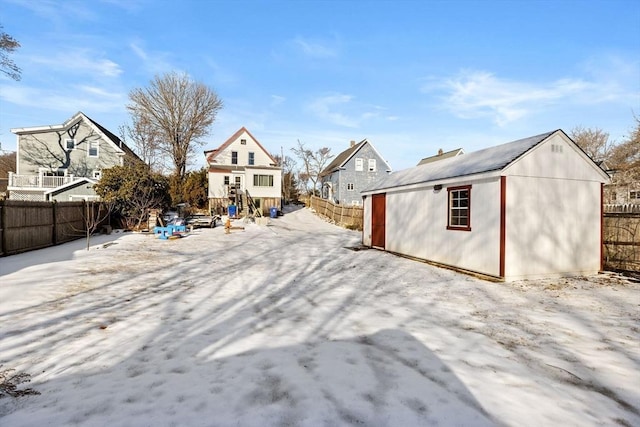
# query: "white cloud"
[[474, 94], [154, 62], [339, 109], [477, 94], [325, 108], [313, 48], [78, 61], [86, 98], [277, 100]]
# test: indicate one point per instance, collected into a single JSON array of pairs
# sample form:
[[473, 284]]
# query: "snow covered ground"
[[285, 325]]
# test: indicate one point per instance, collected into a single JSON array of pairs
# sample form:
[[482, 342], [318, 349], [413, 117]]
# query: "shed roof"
[[489, 159]]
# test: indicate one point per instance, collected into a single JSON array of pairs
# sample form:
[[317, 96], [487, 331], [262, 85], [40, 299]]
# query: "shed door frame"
[[378, 220]]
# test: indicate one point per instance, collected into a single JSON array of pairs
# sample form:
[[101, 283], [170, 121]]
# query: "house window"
[[252, 159], [93, 149], [459, 217], [243, 142], [97, 174], [226, 180], [350, 186], [234, 157], [238, 181], [359, 165], [634, 195], [70, 144], [263, 180], [372, 165]]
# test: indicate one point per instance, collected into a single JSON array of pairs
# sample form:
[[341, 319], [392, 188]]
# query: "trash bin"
[[232, 210], [273, 212]]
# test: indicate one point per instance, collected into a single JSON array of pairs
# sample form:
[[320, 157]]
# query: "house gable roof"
[[80, 116], [341, 159], [113, 138], [487, 160], [212, 154], [441, 156]]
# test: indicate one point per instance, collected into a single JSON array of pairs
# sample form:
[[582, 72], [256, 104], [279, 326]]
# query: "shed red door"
[[378, 220]]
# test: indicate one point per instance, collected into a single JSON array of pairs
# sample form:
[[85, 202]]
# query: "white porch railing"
[[38, 181]]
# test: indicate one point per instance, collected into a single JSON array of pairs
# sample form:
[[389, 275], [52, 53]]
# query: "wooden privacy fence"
[[25, 226], [345, 216], [622, 241]]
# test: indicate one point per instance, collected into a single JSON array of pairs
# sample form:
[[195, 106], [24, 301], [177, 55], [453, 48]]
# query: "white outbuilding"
[[526, 209]]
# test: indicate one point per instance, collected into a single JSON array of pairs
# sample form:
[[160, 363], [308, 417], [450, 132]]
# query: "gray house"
[[63, 162], [352, 171]]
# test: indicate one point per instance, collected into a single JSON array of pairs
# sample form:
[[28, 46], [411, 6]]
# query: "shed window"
[[459, 215], [234, 157], [359, 165]]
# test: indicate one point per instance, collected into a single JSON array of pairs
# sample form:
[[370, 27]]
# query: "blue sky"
[[410, 76]]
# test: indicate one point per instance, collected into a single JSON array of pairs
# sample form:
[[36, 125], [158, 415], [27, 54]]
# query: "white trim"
[[569, 142], [71, 184]]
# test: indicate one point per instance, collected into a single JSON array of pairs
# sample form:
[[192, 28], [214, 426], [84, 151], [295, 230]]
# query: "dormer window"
[[70, 144]]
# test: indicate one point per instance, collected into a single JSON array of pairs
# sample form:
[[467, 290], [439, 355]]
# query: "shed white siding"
[[366, 222], [535, 210], [417, 226], [552, 227]]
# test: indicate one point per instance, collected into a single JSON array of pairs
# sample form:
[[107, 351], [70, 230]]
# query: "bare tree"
[[7, 45], [595, 142], [145, 139], [288, 165], [179, 111], [313, 162], [625, 162], [95, 215]]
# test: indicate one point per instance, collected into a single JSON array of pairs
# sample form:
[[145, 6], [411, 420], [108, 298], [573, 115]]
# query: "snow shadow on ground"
[[388, 378], [63, 252], [282, 325]]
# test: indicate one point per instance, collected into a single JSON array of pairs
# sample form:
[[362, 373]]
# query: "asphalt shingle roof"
[[489, 159]]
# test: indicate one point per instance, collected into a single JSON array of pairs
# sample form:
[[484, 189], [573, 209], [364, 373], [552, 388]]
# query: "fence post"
[[3, 223], [54, 227]]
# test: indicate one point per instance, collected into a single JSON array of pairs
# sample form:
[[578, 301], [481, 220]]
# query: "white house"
[[528, 208], [242, 172]]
